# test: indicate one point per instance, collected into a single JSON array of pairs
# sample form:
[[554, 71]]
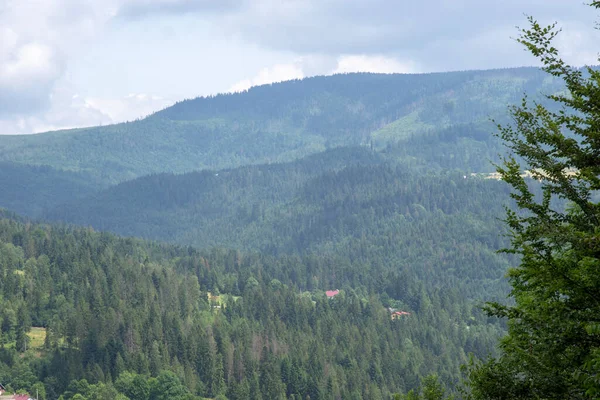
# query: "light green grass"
[[37, 336], [400, 129]]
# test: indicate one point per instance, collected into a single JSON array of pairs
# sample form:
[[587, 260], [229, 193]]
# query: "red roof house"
[[398, 314], [17, 397], [332, 293]]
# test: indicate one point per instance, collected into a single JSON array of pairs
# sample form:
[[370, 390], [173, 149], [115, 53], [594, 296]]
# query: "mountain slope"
[[348, 202], [29, 190], [280, 122], [164, 206], [117, 312]]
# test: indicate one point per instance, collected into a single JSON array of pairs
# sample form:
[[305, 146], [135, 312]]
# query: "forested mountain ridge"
[[357, 182], [349, 203], [242, 193], [29, 190], [281, 122], [146, 321]]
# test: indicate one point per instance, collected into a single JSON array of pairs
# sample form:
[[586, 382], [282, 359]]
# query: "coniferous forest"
[[340, 237], [236, 305]]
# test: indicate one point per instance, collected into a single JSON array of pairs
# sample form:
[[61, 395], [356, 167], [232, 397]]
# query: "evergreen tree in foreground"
[[552, 350]]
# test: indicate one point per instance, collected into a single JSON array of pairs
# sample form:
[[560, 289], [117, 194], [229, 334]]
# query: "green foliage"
[[39, 390], [280, 122], [552, 347], [131, 318], [29, 190], [395, 222], [346, 202], [430, 389]]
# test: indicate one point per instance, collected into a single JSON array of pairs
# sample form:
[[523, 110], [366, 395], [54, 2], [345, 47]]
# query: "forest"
[[152, 321], [337, 237], [286, 121], [236, 306], [244, 313]]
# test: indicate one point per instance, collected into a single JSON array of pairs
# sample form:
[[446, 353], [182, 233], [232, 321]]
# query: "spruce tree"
[[552, 350]]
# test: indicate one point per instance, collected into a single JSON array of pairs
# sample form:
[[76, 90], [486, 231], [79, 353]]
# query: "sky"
[[75, 63]]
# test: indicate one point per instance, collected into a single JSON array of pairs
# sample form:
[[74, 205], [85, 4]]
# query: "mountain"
[[330, 237], [349, 203], [168, 206], [282, 122], [29, 190], [91, 315]]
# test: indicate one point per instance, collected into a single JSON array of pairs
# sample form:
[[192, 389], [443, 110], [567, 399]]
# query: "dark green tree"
[[432, 389], [552, 350]]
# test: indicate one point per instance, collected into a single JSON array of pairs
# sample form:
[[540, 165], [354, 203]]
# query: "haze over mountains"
[[281, 122], [357, 182], [430, 121]]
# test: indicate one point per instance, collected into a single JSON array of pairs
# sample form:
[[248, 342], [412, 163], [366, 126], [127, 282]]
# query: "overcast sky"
[[72, 63]]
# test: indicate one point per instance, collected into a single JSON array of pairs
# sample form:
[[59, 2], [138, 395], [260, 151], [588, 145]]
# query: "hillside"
[[115, 317], [282, 122], [357, 182], [29, 190], [346, 203]]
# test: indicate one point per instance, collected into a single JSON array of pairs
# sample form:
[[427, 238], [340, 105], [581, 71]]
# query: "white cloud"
[[386, 26], [379, 64], [276, 73], [65, 111], [36, 39], [578, 44], [130, 107], [73, 111], [40, 39], [322, 65], [139, 8], [26, 74]]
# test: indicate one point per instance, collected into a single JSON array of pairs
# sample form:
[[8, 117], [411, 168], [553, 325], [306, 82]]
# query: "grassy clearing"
[[37, 336], [400, 129]]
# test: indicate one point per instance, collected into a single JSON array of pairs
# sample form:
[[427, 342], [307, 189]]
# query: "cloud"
[[28, 69], [65, 111], [130, 107], [383, 26], [320, 65], [577, 44], [434, 34], [40, 39], [276, 73], [380, 64], [73, 111], [140, 8], [27, 73], [36, 39]]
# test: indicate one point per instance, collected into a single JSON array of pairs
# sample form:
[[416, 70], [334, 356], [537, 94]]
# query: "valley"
[[332, 237]]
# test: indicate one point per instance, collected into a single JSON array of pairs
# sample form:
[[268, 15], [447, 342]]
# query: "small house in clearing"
[[212, 297], [398, 314], [2, 389], [332, 293], [16, 397]]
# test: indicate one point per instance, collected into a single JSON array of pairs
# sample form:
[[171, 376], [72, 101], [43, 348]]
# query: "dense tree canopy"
[[552, 350], [286, 121], [346, 229], [89, 315]]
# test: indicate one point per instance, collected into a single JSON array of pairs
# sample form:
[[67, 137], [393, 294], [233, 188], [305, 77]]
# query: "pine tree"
[[552, 349]]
